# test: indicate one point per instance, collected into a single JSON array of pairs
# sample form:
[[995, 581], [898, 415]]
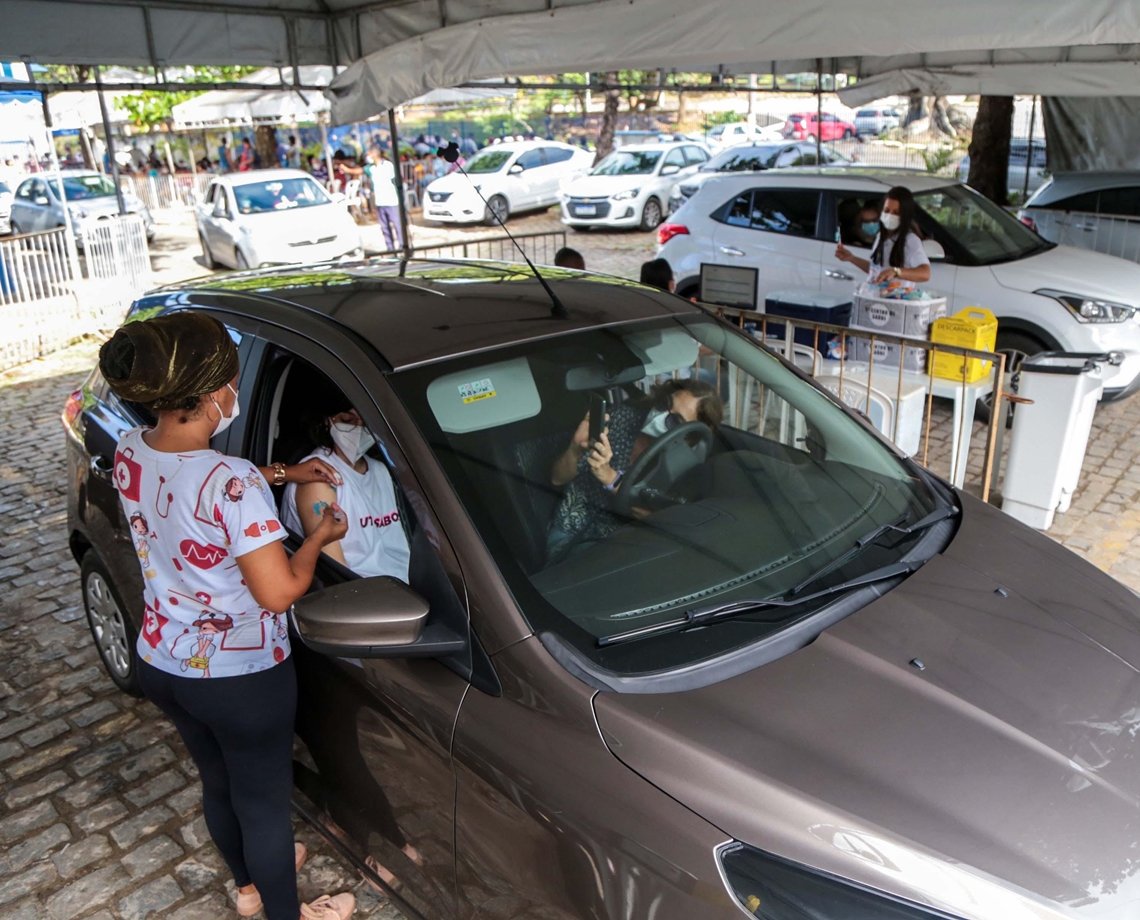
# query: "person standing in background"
[[385, 195], [293, 153], [245, 158], [224, 157]]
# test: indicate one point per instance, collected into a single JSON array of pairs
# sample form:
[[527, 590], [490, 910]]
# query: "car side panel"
[[549, 824]]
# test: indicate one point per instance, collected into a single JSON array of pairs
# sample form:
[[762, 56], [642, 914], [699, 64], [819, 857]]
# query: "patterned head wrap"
[[169, 361]]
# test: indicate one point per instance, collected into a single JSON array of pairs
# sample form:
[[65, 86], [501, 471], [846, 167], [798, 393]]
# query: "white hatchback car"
[[519, 176], [630, 187], [785, 223], [273, 217]]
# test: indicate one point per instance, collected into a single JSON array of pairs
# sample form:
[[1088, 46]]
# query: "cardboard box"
[[897, 317]]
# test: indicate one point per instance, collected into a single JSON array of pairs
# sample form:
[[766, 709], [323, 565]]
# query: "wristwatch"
[[278, 473], [613, 486], [898, 272]]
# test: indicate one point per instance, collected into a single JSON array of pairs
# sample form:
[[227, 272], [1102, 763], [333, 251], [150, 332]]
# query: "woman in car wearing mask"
[[214, 652], [897, 251], [376, 543], [590, 474]]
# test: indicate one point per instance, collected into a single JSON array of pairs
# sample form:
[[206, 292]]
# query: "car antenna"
[[451, 154]]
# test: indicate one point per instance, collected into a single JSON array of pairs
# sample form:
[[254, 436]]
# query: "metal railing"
[[35, 266], [898, 402], [539, 247], [1113, 235], [179, 192], [115, 249]]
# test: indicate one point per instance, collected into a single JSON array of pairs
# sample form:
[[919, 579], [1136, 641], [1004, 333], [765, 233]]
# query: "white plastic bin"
[[895, 408], [1050, 434]]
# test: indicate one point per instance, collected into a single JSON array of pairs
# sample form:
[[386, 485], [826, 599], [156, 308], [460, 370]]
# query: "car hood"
[[298, 224], [457, 182], [1011, 756], [1075, 271], [105, 204], [604, 186]]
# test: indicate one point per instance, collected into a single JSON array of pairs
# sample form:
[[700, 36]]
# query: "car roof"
[[842, 177], [261, 175], [1071, 183], [421, 311]]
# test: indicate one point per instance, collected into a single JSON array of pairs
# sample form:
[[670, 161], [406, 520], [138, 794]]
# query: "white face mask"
[[889, 221], [659, 422], [351, 440], [226, 420]]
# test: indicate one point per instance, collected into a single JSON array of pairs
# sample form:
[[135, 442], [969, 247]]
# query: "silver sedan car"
[[40, 200]]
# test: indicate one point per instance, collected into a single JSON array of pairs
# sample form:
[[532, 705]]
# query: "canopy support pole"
[[110, 141], [1029, 151], [323, 122], [399, 180], [818, 111], [57, 178]]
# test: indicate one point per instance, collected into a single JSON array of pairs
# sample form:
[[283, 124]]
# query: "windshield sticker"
[[476, 390]]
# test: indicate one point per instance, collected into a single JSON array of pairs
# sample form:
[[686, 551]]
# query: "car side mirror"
[[41, 200], [934, 250], [670, 170], [378, 617], [515, 169]]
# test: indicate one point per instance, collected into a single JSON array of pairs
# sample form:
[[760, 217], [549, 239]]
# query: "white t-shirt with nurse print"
[[191, 515]]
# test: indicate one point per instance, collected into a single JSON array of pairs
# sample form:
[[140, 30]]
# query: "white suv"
[[630, 187], [786, 225]]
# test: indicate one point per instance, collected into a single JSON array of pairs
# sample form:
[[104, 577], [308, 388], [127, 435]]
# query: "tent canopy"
[[399, 49]]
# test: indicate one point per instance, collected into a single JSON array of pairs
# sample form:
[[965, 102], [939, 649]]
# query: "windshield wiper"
[[794, 598], [870, 539], [701, 616]]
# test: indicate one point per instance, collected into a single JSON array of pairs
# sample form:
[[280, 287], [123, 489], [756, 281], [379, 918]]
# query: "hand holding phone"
[[598, 409]]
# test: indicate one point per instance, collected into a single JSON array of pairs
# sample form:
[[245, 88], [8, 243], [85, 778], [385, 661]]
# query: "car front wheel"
[[111, 627], [1016, 346], [207, 259], [497, 211], [651, 214]]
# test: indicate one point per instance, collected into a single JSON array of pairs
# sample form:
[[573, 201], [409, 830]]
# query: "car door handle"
[[731, 251], [842, 276], [101, 466]]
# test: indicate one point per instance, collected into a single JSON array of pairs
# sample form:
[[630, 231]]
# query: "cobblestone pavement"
[[99, 807]]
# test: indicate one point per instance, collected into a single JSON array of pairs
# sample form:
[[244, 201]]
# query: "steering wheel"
[[676, 455]]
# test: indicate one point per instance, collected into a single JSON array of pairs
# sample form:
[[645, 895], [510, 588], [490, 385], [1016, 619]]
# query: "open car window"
[[748, 507]]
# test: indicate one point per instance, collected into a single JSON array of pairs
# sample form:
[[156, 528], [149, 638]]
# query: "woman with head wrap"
[[213, 650]]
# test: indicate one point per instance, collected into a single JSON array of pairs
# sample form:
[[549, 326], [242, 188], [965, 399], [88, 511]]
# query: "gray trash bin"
[[1050, 433]]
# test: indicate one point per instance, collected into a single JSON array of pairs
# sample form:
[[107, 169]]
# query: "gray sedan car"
[[38, 203], [777, 670]]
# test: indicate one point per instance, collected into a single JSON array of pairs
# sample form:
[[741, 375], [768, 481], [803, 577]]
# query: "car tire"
[[651, 214], [110, 624], [14, 228], [497, 205], [848, 134], [1016, 346], [810, 139], [208, 260], [240, 261]]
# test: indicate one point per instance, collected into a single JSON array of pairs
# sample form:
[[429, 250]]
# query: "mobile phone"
[[597, 417]]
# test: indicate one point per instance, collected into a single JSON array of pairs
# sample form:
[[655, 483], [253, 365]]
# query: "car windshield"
[[279, 195], [488, 161], [762, 492], [742, 159], [984, 232], [628, 163], [82, 188]]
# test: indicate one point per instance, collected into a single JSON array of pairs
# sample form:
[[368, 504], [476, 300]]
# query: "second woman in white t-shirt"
[[376, 542]]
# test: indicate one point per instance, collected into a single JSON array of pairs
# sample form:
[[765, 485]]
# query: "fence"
[[45, 303], [898, 402], [1112, 235], [180, 191], [539, 247]]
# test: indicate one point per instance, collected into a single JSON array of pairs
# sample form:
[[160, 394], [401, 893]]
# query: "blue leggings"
[[239, 731]]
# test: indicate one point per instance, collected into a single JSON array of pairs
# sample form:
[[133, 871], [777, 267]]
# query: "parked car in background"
[[1090, 210], [754, 157], [514, 177], [38, 203], [5, 207], [272, 217], [784, 223], [1020, 160], [741, 132], [807, 126], [871, 122], [800, 677], [630, 187]]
